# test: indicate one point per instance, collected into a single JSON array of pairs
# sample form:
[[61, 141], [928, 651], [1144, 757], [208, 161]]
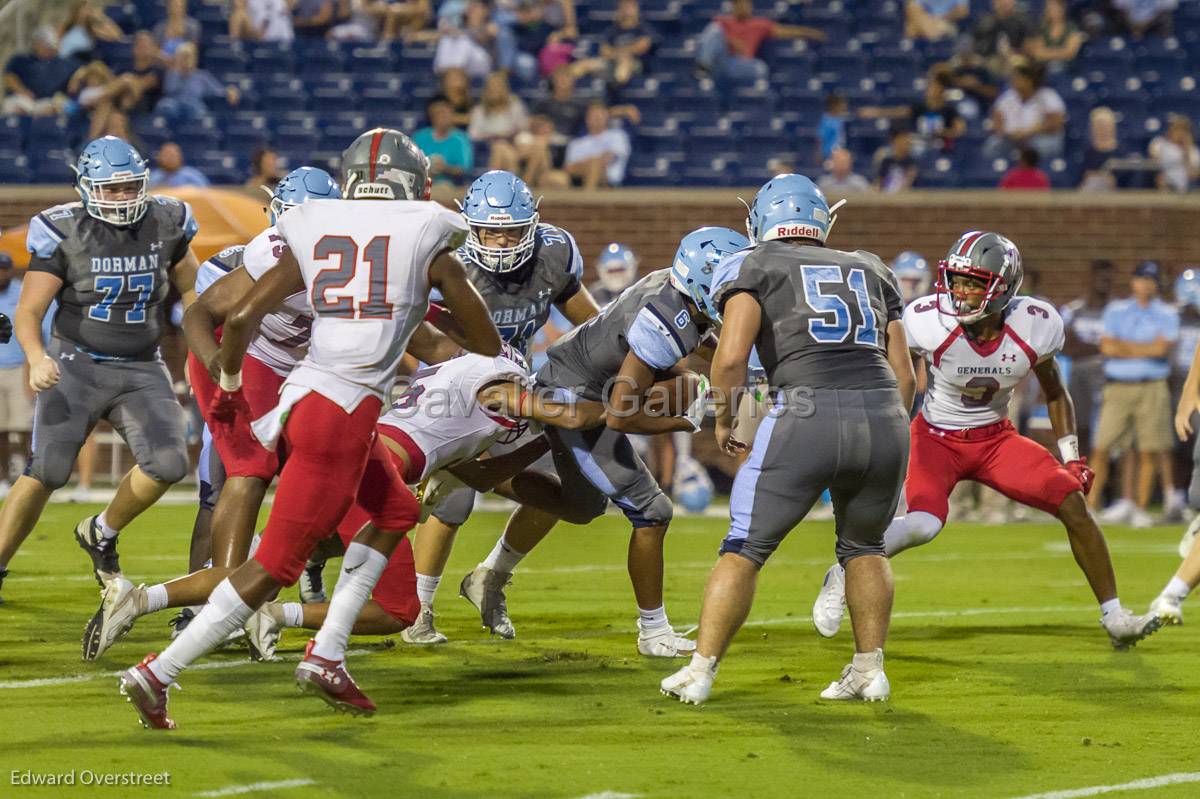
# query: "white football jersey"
[[969, 383], [440, 413], [282, 340], [366, 274]]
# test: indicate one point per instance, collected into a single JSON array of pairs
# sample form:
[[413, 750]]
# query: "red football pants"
[[1017, 467], [334, 459], [241, 453]]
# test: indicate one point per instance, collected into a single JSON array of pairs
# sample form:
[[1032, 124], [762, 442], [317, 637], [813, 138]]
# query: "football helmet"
[[787, 206], [696, 259], [304, 183], [912, 271], [989, 258], [617, 267], [384, 164], [105, 164], [499, 200], [1187, 288]]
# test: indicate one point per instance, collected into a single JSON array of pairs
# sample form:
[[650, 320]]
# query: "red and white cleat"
[[329, 681], [148, 696]]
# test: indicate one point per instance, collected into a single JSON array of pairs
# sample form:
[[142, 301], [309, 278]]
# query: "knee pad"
[[456, 508], [657, 513], [167, 466]]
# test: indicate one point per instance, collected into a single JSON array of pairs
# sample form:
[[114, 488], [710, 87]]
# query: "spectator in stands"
[[465, 39], [171, 172], [840, 179], [934, 19], [624, 45], [831, 130], [1177, 156], [1026, 174], [261, 20], [36, 83], [895, 165], [1027, 114], [314, 19], [456, 87], [1102, 146], [451, 157], [967, 73], [1001, 35], [598, 158], [526, 34], [497, 120], [935, 118], [265, 171], [88, 88], [564, 110], [178, 28], [1140, 18], [539, 149], [1059, 40], [363, 21], [83, 27], [1139, 333], [728, 47], [186, 88]]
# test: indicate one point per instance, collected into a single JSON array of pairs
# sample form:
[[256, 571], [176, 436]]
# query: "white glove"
[[699, 407]]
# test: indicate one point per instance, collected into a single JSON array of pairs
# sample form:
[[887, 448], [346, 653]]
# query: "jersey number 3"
[[345, 249], [831, 304]]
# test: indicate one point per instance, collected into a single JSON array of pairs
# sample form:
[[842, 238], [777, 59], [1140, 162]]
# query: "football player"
[[616, 269], [110, 261], [912, 275], [978, 340], [827, 328], [367, 269]]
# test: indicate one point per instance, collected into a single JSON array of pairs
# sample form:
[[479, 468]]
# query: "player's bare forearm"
[[743, 317], [465, 302], [514, 401], [183, 275], [486, 474], [203, 317], [1058, 400], [900, 358], [430, 345], [642, 423], [242, 323], [580, 307], [38, 290], [628, 405]]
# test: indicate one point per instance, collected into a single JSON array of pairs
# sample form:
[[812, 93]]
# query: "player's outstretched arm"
[[242, 322], [579, 307], [38, 290], [486, 473], [743, 318], [510, 399], [1062, 420], [208, 312], [901, 361], [430, 345], [463, 300]]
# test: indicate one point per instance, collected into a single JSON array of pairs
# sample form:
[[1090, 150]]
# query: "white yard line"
[[255, 787], [611, 795], [1137, 785]]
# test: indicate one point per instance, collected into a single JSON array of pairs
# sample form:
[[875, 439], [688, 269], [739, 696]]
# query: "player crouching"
[[979, 341]]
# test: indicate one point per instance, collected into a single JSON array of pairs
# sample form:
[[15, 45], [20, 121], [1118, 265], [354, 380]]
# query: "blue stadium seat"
[[52, 166], [318, 57], [12, 133], [48, 133], [380, 89], [284, 95], [333, 90], [224, 58], [270, 57], [721, 170], [14, 166]]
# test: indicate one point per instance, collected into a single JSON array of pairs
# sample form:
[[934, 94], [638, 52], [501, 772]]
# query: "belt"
[[969, 433]]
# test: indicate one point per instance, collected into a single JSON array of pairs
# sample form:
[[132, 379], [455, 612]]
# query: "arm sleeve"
[[42, 239], [652, 338]]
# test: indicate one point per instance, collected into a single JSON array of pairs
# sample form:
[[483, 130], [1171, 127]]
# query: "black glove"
[[5, 329]]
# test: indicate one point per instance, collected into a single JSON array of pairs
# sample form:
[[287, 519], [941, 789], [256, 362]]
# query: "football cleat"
[[119, 609], [3, 574], [329, 681], [484, 588], [422, 630], [1125, 629], [862, 678], [103, 551], [1189, 537], [148, 696], [1168, 609], [312, 583], [181, 620], [830, 606], [263, 630], [1141, 520], [663, 642], [692, 684]]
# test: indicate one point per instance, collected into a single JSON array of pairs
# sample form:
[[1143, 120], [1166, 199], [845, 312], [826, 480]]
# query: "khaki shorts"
[[16, 408], [1138, 410]]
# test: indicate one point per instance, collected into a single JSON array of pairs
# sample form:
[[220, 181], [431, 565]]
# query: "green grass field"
[[1003, 683]]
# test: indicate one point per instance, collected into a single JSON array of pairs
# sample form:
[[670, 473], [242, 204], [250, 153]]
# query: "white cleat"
[[1125, 629], [862, 678], [663, 642], [422, 630], [119, 603], [1168, 609], [1189, 537], [484, 588], [830, 606], [1141, 520], [1117, 513], [693, 683], [263, 630]]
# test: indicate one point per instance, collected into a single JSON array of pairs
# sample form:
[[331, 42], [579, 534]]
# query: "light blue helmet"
[[696, 259], [912, 271], [1187, 288], [105, 164], [693, 486], [303, 183], [788, 206], [617, 267], [500, 200]]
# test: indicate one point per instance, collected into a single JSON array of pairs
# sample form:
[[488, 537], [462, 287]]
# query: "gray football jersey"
[[824, 313], [650, 318], [115, 279], [520, 300]]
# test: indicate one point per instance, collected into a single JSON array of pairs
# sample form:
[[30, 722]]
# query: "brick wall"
[[1058, 233]]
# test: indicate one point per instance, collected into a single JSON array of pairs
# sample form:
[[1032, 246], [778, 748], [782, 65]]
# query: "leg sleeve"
[[151, 420]]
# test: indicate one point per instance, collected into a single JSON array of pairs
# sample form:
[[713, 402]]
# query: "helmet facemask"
[[957, 301], [118, 200], [501, 259]]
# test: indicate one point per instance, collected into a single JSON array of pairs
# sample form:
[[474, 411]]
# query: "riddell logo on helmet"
[[798, 231]]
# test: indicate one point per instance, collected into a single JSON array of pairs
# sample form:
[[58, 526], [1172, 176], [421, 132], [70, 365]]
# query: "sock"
[[652, 619], [866, 661], [105, 530], [293, 614], [503, 557], [361, 568], [701, 663], [1178, 589], [156, 598], [911, 530], [1109, 606], [427, 585], [223, 614]]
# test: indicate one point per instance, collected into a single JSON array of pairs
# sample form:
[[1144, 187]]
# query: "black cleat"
[[103, 551], [180, 621], [312, 583]]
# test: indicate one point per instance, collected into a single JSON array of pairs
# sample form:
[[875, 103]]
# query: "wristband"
[[1068, 448], [230, 383]]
